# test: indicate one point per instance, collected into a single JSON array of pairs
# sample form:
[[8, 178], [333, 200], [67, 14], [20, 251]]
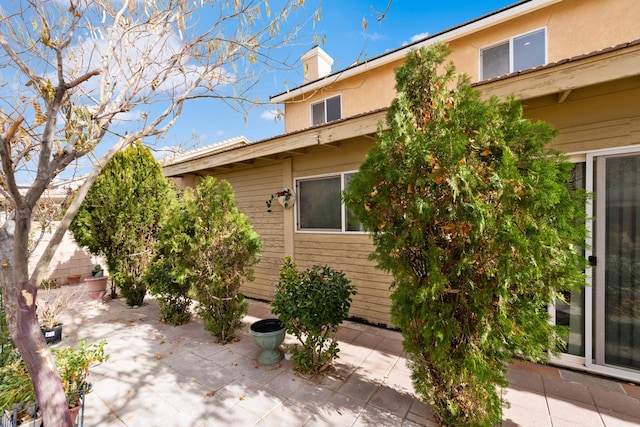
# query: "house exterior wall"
[[348, 252], [571, 31], [69, 259], [251, 188], [356, 95], [342, 251], [592, 99], [597, 117]]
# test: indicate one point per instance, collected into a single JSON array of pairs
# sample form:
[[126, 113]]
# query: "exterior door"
[[622, 262], [613, 328]]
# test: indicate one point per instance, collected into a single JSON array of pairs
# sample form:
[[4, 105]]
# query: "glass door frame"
[[594, 307], [595, 276]]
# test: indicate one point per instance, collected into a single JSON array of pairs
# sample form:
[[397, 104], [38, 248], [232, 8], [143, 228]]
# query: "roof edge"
[[509, 12]]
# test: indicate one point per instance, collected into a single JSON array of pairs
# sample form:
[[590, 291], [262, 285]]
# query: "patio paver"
[[176, 376]]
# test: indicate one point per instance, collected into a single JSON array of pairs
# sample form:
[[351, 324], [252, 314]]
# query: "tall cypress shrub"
[[120, 218], [213, 247], [478, 223]]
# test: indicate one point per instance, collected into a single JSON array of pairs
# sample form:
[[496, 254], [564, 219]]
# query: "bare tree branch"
[[382, 15], [86, 71]]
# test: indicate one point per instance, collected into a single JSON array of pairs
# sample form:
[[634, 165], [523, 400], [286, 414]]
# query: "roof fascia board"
[[591, 70], [447, 35], [316, 136]]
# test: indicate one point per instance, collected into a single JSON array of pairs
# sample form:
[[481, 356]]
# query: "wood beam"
[[562, 96], [292, 144]]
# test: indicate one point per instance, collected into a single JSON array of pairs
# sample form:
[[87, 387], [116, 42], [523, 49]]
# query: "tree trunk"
[[19, 292], [19, 297], [39, 361]]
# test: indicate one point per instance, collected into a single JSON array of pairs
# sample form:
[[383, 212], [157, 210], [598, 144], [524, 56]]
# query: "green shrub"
[[120, 217], [73, 365], [171, 290], [213, 247], [312, 305], [8, 351], [479, 224]]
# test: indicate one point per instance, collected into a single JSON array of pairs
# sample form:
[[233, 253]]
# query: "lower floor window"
[[319, 204]]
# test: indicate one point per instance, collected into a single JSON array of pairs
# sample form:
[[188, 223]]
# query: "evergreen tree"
[[120, 218], [479, 225], [213, 247]]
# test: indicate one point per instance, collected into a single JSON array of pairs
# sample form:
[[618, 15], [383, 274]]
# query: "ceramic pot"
[[268, 334], [74, 411], [96, 287], [73, 279]]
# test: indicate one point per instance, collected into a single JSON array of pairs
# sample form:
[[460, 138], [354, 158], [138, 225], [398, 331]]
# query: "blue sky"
[[208, 121], [345, 41]]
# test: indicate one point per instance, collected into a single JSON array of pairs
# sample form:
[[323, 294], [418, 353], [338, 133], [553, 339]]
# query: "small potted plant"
[[97, 283], [73, 279], [17, 395], [97, 271], [50, 307], [73, 366], [286, 198]]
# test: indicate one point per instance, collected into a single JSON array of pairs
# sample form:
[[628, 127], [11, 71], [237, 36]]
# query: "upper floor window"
[[319, 206], [518, 53], [326, 110]]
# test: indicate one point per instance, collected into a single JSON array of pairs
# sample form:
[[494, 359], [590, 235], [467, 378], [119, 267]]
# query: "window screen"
[[319, 204], [333, 108], [495, 61]]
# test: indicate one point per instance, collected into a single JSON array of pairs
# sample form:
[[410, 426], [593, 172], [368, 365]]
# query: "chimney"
[[317, 64]]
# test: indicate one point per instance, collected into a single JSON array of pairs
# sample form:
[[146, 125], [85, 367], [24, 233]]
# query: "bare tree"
[[79, 73]]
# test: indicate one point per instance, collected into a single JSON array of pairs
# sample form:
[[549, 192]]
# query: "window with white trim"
[[326, 110], [319, 206], [516, 54]]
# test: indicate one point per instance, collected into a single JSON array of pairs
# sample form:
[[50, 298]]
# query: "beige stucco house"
[[574, 63]]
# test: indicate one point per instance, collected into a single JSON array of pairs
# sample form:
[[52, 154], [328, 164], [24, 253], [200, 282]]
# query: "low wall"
[[69, 259]]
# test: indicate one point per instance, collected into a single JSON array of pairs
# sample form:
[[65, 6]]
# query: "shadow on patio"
[[178, 376]]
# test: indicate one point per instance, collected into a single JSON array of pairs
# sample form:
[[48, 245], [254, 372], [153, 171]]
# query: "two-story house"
[[573, 63]]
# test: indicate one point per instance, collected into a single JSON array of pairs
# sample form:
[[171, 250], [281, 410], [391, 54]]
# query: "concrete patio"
[[161, 375]]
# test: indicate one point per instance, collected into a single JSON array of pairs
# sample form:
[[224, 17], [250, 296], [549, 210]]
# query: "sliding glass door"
[[612, 296], [622, 261]]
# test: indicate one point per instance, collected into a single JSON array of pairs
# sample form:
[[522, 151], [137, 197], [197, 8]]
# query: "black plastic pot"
[[53, 335]]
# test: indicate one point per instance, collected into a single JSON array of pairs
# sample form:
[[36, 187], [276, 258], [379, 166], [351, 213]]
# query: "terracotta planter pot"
[[73, 279], [75, 411], [96, 287]]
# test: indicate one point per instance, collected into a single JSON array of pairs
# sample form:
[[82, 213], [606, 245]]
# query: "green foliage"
[[170, 288], [73, 364], [8, 351], [312, 305], [479, 225], [212, 247], [16, 387], [120, 218]]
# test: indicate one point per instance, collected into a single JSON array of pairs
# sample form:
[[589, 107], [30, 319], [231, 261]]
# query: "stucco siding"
[[571, 31]]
